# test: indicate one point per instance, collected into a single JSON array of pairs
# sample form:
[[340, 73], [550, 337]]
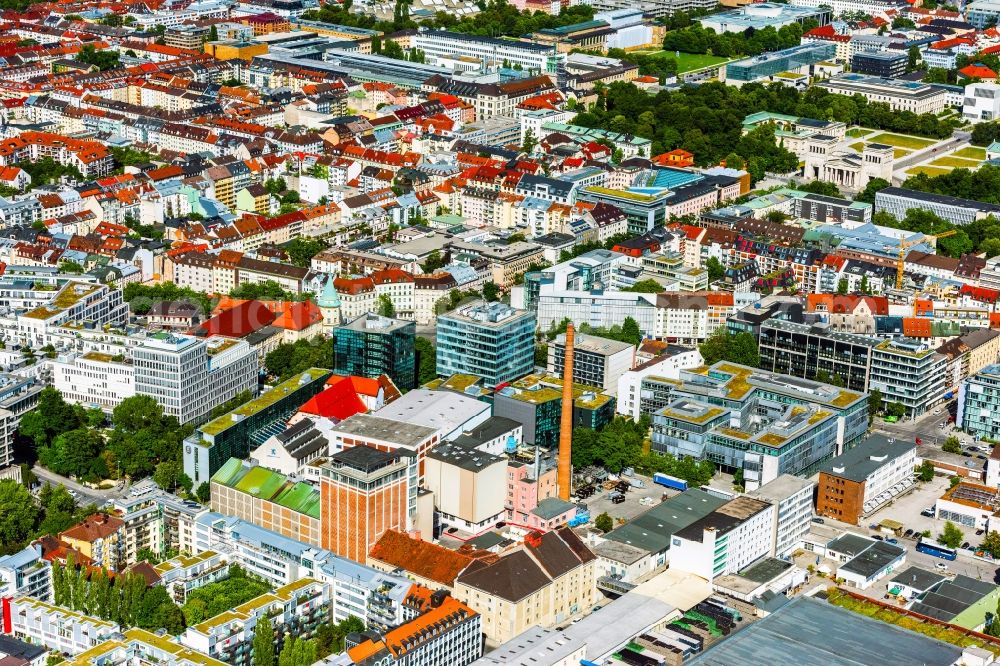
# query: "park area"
[[902, 141], [688, 62]]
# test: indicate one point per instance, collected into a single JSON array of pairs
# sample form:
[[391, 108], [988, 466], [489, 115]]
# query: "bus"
[[931, 547]]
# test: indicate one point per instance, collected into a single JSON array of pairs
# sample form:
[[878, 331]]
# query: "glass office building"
[[769, 64], [373, 345], [490, 340]]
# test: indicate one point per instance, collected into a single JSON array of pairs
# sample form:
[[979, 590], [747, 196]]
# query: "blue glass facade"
[[490, 340]]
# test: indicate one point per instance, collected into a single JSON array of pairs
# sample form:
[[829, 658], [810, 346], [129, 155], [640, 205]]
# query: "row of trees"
[[327, 639], [289, 359], [979, 236], [125, 599], [697, 39]]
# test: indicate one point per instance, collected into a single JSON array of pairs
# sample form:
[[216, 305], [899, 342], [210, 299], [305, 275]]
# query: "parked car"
[[878, 537], [966, 545], [974, 449], [818, 520], [928, 512], [980, 532], [891, 540], [908, 533], [940, 566]]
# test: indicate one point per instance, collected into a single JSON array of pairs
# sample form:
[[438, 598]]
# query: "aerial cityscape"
[[499, 333]]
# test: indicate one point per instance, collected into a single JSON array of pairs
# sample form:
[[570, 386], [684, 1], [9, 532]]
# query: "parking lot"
[[600, 502], [906, 508]]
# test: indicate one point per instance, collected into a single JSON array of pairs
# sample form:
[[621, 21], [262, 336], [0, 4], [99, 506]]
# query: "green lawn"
[[858, 132], [901, 141], [956, 162], [859, 146], [971, 152], [688, 62], [929, 170]]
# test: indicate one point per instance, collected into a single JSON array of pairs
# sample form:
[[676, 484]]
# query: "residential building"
[[294, 610], [858, 482], [99, 537], [442, 631], [26, 574], [139, 645], [490, 340], [355, 589], [183, 574], [667, 365], [546, 581], [373, 345], [235, 434], [983, 13], [64, 631], [597, 361], [725, 541]]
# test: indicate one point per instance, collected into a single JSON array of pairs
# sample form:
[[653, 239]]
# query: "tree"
[[991, 543], [648, 286], [68, 266], [103, 60], [631, 332], [18, 513], [204, 492], [820, 187], [842, 286], [926, 471], [952, 445], [715, 269], [167, 474], [951, 536], [213, 33], [433, 262], [738, 481], [529, 143], [874, 404], [723, 346], [491, 292], [385, 306], [913, 54], [867, 195], [263, 643], [302, 250], [604, 522], [896, 409], [426, 360]]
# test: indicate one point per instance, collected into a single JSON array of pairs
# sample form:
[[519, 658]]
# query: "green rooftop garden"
[[263, 401]]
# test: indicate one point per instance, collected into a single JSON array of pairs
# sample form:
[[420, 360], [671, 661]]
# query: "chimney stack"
[[566, 421]]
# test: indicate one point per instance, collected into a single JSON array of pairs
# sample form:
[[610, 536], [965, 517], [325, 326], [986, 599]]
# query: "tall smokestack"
[[566, 421]]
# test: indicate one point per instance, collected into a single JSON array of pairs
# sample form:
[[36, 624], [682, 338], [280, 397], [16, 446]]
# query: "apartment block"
[[979, 403], [101, 538], [183, 574], [54, 627], [792, 498], [26, 574], [439, 631], [138, 646], [294, 610]]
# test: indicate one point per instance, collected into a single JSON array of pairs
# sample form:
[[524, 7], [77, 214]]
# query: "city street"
[[85, 495]]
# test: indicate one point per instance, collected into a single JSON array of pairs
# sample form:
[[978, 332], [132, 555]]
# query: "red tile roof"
[[238, 321]]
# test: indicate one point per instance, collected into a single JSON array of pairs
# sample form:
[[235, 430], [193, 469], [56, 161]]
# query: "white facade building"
[[792, 498], [981, 103], [730, 538], [60, 630]]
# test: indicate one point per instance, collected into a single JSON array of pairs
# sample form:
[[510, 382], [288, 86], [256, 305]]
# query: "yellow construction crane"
[[905, 245]]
